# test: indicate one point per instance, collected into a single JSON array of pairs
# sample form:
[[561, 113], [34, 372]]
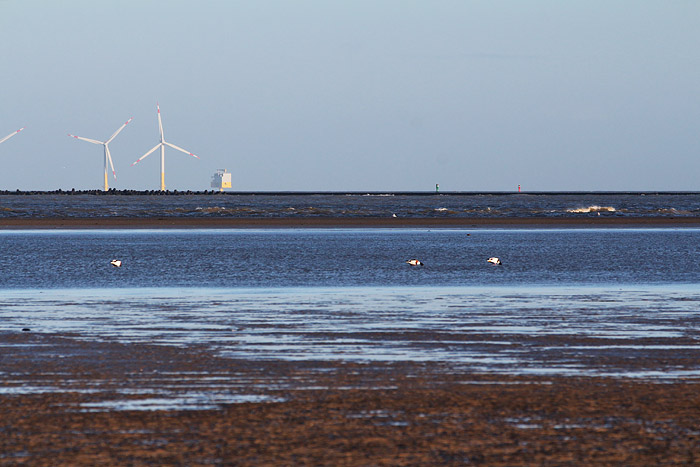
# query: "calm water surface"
[[346, 257], [562, 300]]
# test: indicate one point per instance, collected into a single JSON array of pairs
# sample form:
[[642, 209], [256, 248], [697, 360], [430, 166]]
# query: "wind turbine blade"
[[109, 158], [94, 141], [180, 149], [147, 154], [11, 135], [120, 129], [160, 124]]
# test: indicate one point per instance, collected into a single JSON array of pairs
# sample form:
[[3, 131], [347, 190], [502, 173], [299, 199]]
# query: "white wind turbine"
[[162, 145], [11, 135], [108, 156]]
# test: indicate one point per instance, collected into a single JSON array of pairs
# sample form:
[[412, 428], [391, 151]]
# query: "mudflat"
[[65, 400]]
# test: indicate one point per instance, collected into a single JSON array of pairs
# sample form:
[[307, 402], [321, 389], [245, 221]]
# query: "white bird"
[[414, 262], [494, 260], [117, 263]]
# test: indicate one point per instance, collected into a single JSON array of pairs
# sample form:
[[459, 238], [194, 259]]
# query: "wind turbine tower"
[[108, 156], [162, 145], [11, 135]]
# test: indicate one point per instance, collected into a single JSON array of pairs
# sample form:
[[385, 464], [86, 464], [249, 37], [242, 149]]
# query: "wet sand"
[[57, 389], [330, 222], [67, 400]]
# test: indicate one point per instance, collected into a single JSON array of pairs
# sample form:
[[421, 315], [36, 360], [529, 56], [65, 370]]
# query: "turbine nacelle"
[[161, 146], [108, 155]]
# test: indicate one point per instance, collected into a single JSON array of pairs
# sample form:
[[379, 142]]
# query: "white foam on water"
[[593, 208]]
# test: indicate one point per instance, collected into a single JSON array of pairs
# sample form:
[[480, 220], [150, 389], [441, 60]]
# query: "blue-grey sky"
[[362, 95]]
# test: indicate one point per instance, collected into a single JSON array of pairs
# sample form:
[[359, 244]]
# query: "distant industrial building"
[[221, 179]]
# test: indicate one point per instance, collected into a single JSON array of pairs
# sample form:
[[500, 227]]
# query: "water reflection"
[[515, 330]]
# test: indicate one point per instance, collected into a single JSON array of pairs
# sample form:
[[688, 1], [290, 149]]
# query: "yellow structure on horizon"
[[221, 179]]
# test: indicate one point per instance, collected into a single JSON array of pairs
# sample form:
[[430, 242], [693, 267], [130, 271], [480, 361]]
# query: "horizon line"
[[114, 191]]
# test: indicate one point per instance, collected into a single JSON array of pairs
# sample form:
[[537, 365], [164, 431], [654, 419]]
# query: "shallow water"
[[573, 302], [346, 257], [515, 330]]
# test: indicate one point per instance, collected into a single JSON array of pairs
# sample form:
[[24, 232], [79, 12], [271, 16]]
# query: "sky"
[[319, 95]]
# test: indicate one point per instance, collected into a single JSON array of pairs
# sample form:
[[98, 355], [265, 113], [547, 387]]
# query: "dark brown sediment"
[[326, 413], [340, 222], [330, 412]]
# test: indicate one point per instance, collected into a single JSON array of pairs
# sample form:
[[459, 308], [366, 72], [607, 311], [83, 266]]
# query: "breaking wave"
[[593, 208], [674, 212], [344, 205]]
